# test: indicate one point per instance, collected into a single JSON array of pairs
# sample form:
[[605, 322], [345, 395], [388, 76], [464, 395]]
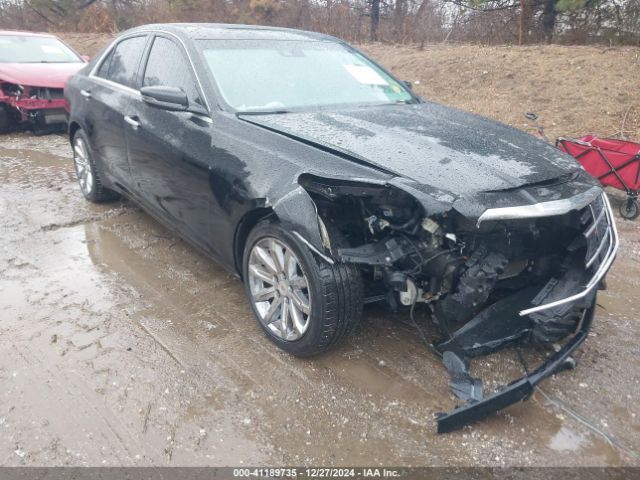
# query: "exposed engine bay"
[[487, 284]]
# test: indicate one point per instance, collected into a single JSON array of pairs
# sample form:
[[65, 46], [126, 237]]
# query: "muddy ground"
[[121, 345]]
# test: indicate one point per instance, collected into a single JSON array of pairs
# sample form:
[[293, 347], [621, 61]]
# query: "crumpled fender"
[[297, 211]]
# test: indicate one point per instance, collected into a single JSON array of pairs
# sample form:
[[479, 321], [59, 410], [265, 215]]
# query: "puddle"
[[567, 440]]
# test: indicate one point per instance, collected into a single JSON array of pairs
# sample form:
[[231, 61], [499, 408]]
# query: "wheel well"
[[73, 128], [246, 224]]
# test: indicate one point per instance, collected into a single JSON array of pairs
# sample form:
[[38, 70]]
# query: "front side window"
[[35, 49], [121, 65], [268, 75], [168, 67]]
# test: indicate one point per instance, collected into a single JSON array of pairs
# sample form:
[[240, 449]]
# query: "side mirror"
[[408, 84], [167, 98], [85, 58]]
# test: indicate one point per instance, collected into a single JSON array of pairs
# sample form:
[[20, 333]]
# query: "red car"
[[33, 70]]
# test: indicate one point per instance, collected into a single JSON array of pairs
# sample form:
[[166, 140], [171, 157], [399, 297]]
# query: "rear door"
[[168, 151], [112, 88]]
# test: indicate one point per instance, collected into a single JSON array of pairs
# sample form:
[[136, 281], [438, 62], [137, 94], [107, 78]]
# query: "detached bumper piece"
[[518, 390]]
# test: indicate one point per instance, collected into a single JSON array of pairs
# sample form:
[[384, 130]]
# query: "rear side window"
[[121, 65], [167, 66], [103, 71]]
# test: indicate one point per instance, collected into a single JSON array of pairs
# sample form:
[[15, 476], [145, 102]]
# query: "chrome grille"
[[602, 245], [598, 233]]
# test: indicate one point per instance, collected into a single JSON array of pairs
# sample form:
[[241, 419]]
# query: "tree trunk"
[[549, 19], [398, 20], [419, 23], [375, 19], [526, 20]]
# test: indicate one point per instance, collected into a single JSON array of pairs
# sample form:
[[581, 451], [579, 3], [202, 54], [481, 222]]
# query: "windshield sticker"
[[365, 74], [51, 49]]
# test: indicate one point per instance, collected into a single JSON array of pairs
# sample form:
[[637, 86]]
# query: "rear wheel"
[[304, 304], [629, 209], [88, 175]]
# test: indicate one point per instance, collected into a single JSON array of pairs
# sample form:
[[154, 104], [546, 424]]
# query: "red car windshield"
[[28, 49]]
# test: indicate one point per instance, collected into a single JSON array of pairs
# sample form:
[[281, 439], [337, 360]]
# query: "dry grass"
[[574, 90]]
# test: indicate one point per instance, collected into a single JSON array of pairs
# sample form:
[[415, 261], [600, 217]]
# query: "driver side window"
[[168, 67]]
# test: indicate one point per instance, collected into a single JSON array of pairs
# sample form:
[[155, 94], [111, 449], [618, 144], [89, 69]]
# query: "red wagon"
[[614, 163]]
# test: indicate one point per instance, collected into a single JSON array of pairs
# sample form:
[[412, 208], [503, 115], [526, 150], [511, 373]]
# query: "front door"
[[168, 151]]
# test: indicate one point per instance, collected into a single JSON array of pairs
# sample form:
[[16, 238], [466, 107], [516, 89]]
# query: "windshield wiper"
[[263, 112]]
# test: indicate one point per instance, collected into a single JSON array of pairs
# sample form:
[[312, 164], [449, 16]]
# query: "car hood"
[[49, 75], [449, 151]]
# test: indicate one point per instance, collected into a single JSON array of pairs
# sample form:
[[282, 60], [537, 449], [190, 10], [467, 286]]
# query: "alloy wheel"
[[279, 289], [83, 167]]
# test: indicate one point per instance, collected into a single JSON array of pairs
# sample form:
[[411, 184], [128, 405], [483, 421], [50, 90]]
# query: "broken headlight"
[[12, 89]]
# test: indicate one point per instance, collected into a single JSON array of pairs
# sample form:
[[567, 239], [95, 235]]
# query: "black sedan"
[[324, 183]]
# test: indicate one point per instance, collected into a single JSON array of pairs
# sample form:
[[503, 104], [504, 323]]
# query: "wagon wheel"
[[629, 209]]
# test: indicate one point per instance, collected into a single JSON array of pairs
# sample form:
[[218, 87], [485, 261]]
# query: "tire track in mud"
[[75, 348], [87, 411]]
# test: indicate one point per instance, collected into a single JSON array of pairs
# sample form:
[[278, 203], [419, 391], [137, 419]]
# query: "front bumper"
[[30, 104], [518, 390], [571, 291]]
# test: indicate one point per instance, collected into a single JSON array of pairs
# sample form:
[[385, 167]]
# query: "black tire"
[[335, 291], [97, 192], [629, 209], [5, 120]]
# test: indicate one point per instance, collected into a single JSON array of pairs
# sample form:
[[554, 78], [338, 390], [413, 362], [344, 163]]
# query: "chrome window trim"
[[598, 275], [118, 86], [93, 71], [543, 209]]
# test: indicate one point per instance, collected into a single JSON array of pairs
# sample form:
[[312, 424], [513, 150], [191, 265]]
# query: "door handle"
[[132, 121], [86, 94]]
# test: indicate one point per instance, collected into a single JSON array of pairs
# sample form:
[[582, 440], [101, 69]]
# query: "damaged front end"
[[41, 108], [509, 275]]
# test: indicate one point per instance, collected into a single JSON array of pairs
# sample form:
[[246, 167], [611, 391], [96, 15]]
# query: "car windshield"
[[279, 75], [33, 49]]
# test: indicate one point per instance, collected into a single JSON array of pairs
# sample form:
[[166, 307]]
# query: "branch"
[[464, 4], [38, 12]]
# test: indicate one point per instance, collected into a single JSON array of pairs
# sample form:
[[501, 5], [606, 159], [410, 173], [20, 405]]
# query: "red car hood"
[[50, 75]]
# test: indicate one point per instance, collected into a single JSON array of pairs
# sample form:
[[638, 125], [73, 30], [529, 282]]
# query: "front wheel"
[[629, 209], [304, 304]]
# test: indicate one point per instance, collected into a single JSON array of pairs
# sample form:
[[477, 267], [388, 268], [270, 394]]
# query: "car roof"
[[25, 34], [215, 31]]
